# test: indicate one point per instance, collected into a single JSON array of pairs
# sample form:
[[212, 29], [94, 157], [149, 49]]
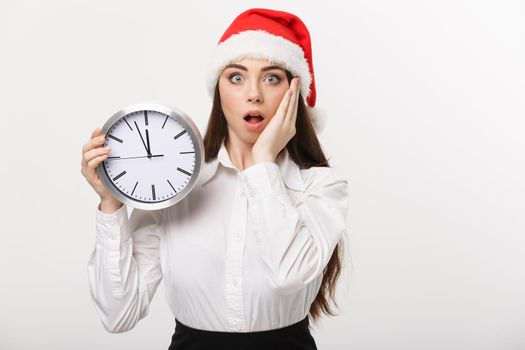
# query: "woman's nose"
[[255, 99], [254, 93]]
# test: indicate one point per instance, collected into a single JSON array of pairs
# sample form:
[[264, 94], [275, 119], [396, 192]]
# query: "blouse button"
[[235, 283], [237, 238]]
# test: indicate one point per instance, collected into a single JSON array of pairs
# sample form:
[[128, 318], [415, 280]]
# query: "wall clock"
[[155, 158]]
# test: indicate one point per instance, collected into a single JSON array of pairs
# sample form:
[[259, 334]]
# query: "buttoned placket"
[[234, 259]]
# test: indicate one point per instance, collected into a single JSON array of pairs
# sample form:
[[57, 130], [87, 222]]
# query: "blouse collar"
[[290, 171]]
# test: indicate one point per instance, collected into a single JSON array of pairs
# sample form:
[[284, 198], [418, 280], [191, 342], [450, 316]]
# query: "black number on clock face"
[[152, 156]]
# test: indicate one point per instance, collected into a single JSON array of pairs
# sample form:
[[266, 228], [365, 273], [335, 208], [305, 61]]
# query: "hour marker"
[[184, 171], [146, 117], [114, 157], [115, 138], [119, 175], [127, 123], [165, 120], [153, 192], [187, 152], [134, 188], [172, 186], [179, 135]]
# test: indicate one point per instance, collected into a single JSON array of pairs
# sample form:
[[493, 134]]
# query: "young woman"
[[254, 249]]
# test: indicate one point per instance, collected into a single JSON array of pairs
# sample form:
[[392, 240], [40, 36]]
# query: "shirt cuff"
[[263, 178], [112, 226]]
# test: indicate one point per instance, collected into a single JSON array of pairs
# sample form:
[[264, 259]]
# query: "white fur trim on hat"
[[259, 44], [318, 117]]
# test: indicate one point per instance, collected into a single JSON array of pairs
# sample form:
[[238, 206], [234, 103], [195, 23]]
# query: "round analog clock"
[[155, 157]]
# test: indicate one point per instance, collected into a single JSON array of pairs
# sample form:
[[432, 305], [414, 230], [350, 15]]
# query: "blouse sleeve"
[[297, 240], [124, 269]]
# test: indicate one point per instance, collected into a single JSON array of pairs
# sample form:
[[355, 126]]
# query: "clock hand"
[[140, 134], [119, 158], [147, 141]]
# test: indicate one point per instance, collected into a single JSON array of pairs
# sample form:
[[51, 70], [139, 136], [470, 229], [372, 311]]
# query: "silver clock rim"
[[193, 132]]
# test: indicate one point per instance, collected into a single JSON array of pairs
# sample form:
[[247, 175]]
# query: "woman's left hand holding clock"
[[92, 156]]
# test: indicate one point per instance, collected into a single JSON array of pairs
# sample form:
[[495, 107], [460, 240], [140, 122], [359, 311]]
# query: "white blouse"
[[243, 252]]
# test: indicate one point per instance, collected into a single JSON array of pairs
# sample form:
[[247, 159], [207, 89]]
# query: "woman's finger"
[[87, 158], [91, 174], [89, 155], [93, 163], [283, 106], [292, 103], [94, 142], [296, 105], [95, 132]]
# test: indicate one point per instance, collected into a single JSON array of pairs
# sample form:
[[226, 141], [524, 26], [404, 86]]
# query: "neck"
[[240, 153]]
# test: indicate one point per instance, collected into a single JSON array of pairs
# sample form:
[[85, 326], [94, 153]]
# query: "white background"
[[425, 104]]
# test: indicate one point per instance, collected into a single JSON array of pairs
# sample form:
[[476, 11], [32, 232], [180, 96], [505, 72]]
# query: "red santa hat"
[[278, 36]]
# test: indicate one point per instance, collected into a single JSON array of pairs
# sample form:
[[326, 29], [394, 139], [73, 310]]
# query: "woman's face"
[[251, 87]]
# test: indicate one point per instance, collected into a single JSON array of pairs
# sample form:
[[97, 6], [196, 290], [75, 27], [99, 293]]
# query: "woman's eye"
[[235, 78], [273, 79]]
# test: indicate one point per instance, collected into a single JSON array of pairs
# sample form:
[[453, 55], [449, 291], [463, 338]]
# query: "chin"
[[245, 136], [251, 139]]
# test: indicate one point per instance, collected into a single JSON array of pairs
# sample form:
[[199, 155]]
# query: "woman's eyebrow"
[[264, 69], [271, 67]]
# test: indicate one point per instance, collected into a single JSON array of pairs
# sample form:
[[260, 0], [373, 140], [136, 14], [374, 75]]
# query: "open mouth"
[[253, 119]]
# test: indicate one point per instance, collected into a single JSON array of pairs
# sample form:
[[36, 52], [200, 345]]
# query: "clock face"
[[154, 157]]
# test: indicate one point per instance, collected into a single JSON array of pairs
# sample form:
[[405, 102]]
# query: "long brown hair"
[[305, 150]]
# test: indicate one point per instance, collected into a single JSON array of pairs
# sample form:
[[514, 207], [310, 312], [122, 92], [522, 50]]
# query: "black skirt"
[[294, 337]]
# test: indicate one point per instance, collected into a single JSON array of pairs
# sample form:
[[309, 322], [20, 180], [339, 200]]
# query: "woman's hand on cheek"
[[280, 129]]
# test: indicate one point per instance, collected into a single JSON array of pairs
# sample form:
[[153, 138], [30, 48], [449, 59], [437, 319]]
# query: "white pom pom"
[[318, 117]]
